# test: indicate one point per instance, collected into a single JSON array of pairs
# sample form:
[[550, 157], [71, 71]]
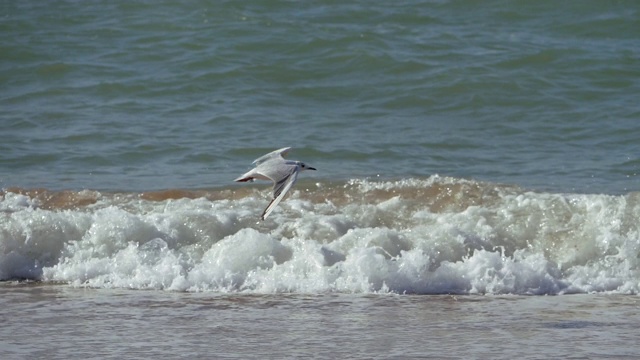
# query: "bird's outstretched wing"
[[280, 189], [280, 152]]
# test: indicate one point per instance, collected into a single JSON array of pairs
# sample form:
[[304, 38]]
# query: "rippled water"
[[152, 95], [462, 148], [61, 323]]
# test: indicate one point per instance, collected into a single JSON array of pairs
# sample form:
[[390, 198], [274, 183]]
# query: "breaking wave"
[[436, 235]]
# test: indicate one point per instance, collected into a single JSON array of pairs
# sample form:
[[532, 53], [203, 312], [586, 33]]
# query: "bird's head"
[[304, 166]]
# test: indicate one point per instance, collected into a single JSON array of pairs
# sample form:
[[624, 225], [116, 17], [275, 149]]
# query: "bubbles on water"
[[426, 236]]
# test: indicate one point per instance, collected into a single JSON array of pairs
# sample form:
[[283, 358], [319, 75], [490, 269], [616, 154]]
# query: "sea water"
[[474, 150], [433, 236]]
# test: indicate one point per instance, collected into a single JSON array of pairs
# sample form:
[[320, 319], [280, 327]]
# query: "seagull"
[[273, 166]]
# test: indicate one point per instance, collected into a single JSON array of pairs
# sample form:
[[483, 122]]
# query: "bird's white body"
[[274, 167]]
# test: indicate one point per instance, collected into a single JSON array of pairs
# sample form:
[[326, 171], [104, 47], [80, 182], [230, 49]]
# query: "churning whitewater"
[[435, 235]]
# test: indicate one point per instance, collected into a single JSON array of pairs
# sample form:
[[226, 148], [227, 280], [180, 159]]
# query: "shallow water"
[[58, 322]]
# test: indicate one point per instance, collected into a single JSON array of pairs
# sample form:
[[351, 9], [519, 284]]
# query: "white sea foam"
[[412, 236]]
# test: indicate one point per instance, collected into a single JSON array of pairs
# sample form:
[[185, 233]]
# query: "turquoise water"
[[158, 95]]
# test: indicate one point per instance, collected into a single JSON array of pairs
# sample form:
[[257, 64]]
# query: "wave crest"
[[429, 236]]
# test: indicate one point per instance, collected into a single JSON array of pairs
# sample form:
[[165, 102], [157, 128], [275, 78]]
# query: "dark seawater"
[[469, 155], [158, 95]]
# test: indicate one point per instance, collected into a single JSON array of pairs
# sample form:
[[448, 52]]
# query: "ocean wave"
[[431, 235]]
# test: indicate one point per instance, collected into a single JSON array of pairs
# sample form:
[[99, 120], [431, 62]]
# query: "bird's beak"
[[310, 168]]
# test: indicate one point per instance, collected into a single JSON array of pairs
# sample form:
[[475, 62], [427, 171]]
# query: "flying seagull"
[[273, 166]]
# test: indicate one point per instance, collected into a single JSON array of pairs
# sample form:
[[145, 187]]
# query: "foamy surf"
[[426, 236]]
